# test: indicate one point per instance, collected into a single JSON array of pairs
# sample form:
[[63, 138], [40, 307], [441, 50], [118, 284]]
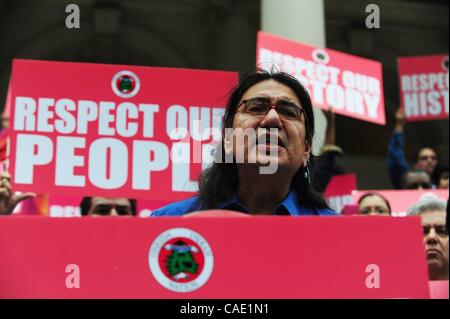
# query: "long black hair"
[[219, 182]]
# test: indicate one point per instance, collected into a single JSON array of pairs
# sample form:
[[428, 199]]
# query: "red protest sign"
[[401, 200], [64, 206], [339, 190], [4, 141], [424, 87], [353, 257], [351, 85], [113, 131]]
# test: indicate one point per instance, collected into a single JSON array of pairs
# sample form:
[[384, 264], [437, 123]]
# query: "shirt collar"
[[289, 206]]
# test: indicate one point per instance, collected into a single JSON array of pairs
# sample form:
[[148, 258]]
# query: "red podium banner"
[[222, 257]]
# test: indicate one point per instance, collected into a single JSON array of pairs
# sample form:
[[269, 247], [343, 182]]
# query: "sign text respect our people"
[[140, 133]]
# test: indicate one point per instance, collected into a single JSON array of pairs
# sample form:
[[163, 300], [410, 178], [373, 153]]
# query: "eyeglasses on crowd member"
[[416, 179]]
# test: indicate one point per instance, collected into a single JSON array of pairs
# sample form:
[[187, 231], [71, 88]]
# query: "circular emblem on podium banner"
[[125, 84], [320, 56], [181, 260]]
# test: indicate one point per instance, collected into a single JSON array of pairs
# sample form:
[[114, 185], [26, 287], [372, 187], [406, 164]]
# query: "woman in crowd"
[[374, 204]]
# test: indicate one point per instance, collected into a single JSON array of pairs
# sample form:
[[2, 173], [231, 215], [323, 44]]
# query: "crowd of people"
[[276, 100]]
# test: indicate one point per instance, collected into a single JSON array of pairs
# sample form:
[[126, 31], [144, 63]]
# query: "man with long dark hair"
[[278, 109]]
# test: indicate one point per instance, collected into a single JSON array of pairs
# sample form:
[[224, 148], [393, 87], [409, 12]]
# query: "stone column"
[[302, 21]]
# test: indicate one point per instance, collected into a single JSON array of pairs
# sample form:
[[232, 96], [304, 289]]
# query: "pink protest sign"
[[424, 87], [339, 190], [113, 130], [351, 85], [69, 206], [264, 258]]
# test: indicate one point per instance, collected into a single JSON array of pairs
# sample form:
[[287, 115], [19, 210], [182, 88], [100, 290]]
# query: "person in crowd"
[[3, 145], [374, 204], [325, 166], [416, 179], [447, 216], [9, 199], [102, 206], [261, 100], [440, 175], [4, 132], [432, 212], [426, 158]]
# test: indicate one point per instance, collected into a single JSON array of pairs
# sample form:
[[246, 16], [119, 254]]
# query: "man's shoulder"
[[177, 208], [327, 212]]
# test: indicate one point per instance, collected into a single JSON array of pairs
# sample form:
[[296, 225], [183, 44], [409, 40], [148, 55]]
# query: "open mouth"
[[270, 141]]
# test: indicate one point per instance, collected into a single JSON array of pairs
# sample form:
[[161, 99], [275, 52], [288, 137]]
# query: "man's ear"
[[307, 154], [227, 143]]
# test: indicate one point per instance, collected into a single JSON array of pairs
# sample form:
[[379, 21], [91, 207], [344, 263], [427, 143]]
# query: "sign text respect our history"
[[350, 85]]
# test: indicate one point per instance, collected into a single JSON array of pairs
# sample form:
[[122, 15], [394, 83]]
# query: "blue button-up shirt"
[[289, 206], [396, 161]]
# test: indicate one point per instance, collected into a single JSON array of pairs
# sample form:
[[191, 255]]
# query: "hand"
[[330, 116], [400, 119], [8, 199]]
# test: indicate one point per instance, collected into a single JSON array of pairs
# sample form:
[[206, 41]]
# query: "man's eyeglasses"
[[262, 105], [425, 157], [418, 185], [440, 230]]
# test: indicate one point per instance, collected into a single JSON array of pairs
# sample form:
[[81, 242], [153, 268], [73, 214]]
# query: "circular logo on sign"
[[125, 84], [181, 260], [445, 64], [320, 56]]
